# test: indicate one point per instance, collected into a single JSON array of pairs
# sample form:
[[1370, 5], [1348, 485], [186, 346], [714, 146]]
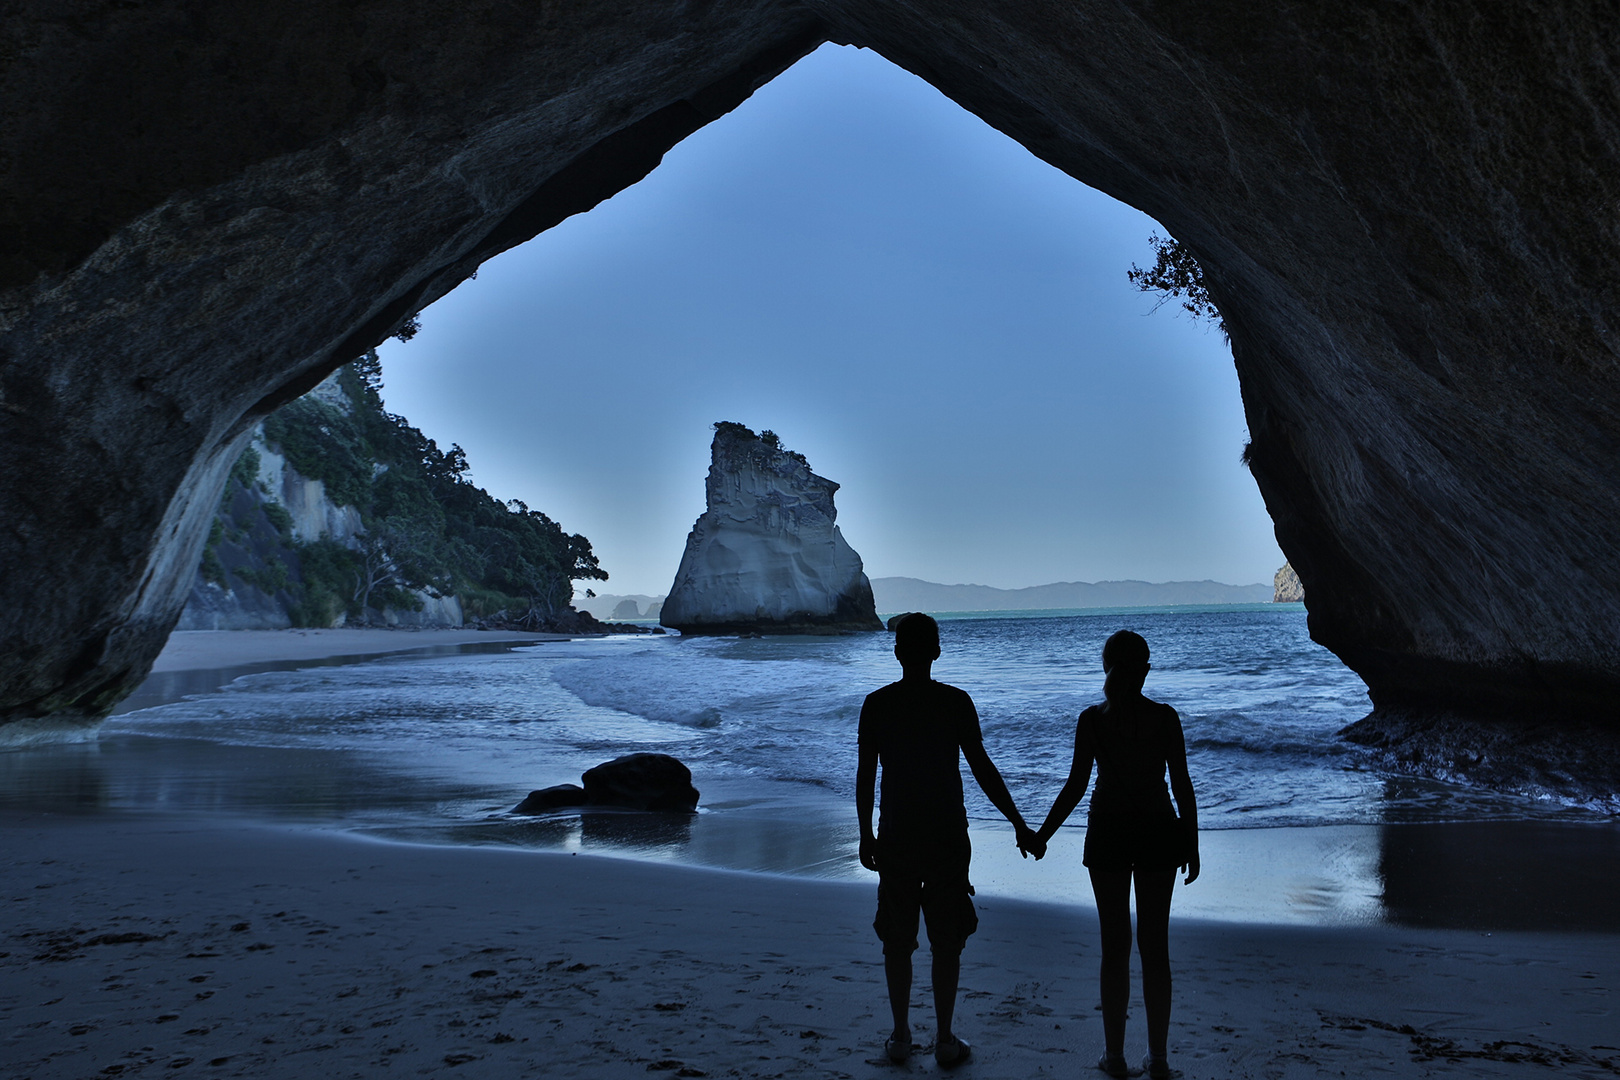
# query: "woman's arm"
[[1074, 788], [1181, 787]]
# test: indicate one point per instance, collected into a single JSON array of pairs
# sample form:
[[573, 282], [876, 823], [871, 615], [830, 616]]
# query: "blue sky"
[[938, 320]]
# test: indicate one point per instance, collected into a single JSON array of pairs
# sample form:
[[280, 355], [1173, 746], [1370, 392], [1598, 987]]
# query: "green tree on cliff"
[[1176, 275], [426, 525]]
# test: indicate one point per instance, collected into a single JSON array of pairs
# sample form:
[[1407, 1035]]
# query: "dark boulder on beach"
[[632, 782], [556, 797], [641, 782]]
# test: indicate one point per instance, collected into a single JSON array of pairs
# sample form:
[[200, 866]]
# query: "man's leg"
[[947, 972], [897, 968], [947, 905], [899, 906]]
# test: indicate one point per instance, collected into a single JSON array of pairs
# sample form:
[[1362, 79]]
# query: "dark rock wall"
[[209, 206], [1406, 213]]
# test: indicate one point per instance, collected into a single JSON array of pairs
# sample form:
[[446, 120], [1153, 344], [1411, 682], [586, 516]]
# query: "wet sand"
[[150, 945], [200, 661], [190, 650]]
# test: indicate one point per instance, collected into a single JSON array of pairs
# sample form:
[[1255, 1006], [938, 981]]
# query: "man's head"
[[916, 641]]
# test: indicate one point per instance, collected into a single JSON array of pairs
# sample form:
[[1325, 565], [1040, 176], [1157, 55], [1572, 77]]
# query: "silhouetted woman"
[[1132, 830]]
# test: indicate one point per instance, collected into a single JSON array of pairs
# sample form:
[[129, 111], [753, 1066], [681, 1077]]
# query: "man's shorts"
[[930, 875]]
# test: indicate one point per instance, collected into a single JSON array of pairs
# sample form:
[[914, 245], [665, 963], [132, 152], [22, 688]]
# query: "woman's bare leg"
[[1153, 889], [1112, 888]]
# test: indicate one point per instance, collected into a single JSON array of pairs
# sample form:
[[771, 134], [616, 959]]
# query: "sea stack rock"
[[766, 556], [1286, 586]]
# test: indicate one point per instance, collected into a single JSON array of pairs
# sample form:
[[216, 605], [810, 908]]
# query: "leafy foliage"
[[329, 571], [246, 469], [278, 516], [324, 443], [770, 438], [426, 525], [1176, 275], [411, 326]]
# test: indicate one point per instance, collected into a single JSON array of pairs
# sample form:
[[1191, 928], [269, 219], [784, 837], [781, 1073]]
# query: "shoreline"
[[200, 650], [1308, 875], [154, 942], [201, 661]]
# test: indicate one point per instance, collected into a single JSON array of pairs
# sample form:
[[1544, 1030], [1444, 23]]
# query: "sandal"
[[1156, 1070], [1115, 1066], [899, 1052], [951, 1054]]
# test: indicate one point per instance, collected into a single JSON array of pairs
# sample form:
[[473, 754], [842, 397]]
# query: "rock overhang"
[[1403, 214]]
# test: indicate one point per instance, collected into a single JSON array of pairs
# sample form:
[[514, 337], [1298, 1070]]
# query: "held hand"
[[869, 852], [1030, 843], [1191, 866]]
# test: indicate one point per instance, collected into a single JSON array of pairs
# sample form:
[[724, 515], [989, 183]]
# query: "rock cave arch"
[[1406, 215]]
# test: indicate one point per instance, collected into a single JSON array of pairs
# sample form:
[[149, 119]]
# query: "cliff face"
[[766, 555], [251, 576]]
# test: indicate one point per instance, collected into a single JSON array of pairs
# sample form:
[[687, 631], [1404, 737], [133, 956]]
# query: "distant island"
[[896, 594], [619, 606]]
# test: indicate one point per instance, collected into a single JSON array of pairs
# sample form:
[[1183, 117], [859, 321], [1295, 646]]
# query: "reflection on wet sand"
[[1481, 875]]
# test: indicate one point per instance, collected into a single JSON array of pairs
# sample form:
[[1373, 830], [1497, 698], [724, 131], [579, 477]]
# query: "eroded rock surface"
[[1285, 586], [767, 554], [1405, 213]]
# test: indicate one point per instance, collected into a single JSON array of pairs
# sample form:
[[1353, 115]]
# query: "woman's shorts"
[[930, 876], [1135, 844]]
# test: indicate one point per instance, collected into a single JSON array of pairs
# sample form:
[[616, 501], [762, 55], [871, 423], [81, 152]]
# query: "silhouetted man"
[[915, 728]]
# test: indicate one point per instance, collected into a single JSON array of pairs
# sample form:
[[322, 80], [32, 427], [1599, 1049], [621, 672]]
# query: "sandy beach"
[[218, 943], [194, 650], [165, 946], [199, 661]]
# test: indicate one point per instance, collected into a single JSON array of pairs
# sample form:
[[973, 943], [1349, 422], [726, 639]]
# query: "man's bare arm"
[[995, 788], [865, 798]]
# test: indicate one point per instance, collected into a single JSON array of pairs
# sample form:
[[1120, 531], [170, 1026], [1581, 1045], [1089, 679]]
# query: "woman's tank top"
[[1131, 751]]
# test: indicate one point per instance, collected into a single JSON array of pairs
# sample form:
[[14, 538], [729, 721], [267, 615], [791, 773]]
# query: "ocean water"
[[438, 748], [1260, 704]]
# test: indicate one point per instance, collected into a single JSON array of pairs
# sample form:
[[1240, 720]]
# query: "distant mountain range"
[[896, 594]]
